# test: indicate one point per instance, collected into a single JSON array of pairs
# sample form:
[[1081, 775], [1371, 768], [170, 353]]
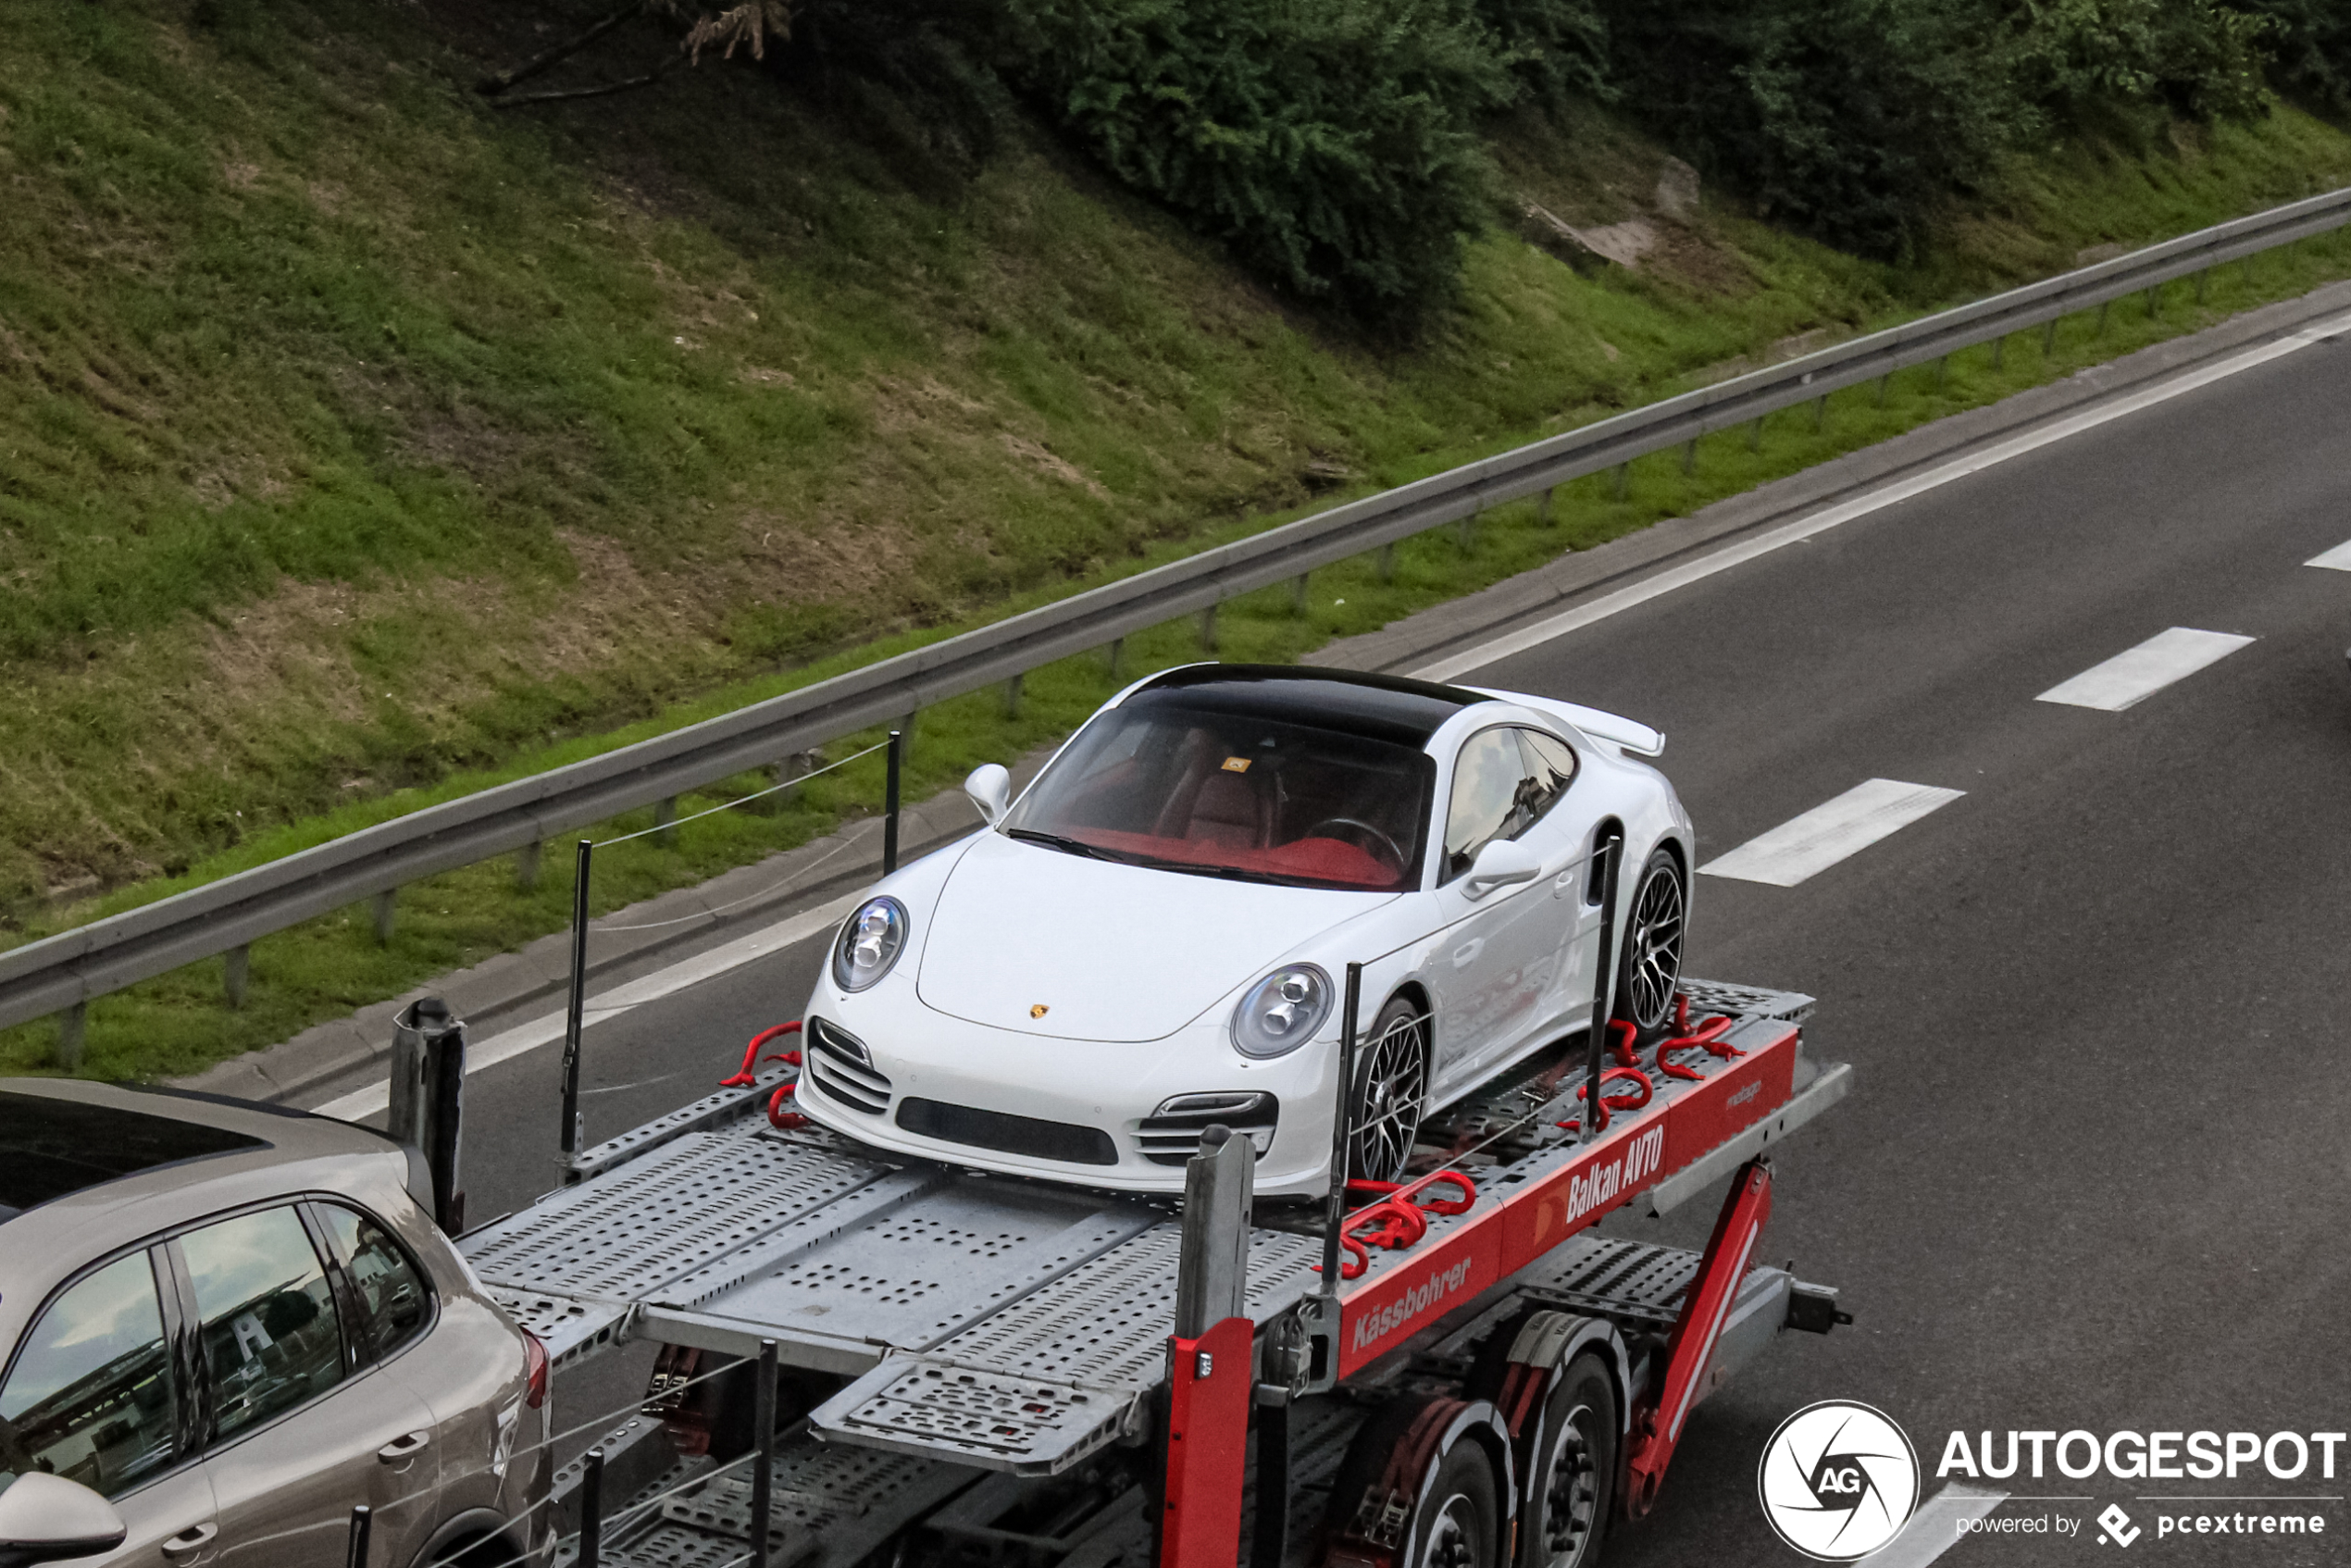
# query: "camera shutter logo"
[[1838, 1480]]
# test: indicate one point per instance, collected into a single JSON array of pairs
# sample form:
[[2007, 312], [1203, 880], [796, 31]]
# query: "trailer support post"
[[1610, 853], [1706, 1306], [891, 783], [428, 1098], [576, 1012], [763, 1475], [1211, 1375]]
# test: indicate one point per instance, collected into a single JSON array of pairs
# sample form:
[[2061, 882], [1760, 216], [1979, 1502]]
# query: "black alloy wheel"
[[1650, 965], [1391, 1093]]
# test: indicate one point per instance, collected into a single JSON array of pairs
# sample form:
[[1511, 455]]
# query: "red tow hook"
[[1629, 1076], [744, 1077], [1399, 1218]]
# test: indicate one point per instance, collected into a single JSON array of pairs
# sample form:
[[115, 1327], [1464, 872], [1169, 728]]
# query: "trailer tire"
[[1571, 1469], [1408, 1496]]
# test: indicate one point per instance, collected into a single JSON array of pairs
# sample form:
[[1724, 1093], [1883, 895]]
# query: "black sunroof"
[[52, 1147], [1380, 708]]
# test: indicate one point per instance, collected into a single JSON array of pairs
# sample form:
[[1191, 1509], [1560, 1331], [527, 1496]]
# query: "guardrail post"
[[1543, 507], [665, 822], [1755, 435], [1208, 628], [2048, 337], [2202, 282], [1387, 562], [1819, 412], [1467, 529], [1298, 592], [591, 1510], [385, 904], [2155, 300], [2099, 330], [1689, 456], [1012, 696], [890, 779], [1623, 476], [1117, 653], [1883, 383], [763, 1475], [1999, 348], [73, 1028], [526, 866], [236, 968], [1942, 371]]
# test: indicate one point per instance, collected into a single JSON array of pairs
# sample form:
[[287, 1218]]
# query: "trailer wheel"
[[1417, 1489], [1572, 1471]]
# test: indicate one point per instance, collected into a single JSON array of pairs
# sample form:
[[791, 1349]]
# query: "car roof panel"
[[1379, 707]]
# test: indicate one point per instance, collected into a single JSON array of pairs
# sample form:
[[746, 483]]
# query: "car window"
[[1551, 762], [1242, 795], [90, 1396], [267, 1317], [1493, 791], [392, 1303]]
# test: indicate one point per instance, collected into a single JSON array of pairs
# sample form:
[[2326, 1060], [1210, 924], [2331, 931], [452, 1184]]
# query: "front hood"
[[1111, 953]]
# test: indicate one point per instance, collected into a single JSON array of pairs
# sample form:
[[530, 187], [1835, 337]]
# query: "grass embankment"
[[360, 446]]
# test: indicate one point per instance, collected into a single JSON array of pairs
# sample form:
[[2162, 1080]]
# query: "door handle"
[[406, 1447], [190, 1541]]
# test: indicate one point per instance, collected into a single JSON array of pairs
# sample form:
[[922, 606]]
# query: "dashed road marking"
[[2137, 674], [1454, 665], [2335, 560], [1810, 844]]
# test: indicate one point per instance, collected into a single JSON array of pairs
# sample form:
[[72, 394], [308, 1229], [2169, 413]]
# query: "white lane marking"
[[2137, 674], [1934, 1527], [1808, 845], [548, 1028], [1455, 665], [2335, 560]]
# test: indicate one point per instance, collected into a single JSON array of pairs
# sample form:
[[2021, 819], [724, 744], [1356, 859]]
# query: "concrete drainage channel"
[[514, 1003]]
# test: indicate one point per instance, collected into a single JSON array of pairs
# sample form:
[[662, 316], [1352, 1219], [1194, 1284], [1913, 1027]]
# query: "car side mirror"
[[990, 788], [1504, 863], [43, 1517]]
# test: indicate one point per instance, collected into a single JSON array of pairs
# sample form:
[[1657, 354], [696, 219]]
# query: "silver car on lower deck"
[[236, 1324]]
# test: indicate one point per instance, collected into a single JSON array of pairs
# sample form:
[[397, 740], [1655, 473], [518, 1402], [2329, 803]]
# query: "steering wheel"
[[1395, 855]]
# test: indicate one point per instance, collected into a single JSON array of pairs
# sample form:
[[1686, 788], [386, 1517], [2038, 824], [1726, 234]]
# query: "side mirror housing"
[[1505, 862], [990, 788], [45, 1517]]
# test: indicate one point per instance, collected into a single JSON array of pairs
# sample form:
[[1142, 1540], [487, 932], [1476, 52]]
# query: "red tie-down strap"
[[747, 1074]]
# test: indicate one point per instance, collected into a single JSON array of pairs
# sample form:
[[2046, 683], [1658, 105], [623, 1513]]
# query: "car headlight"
[[869, 944], [1282, 1011]]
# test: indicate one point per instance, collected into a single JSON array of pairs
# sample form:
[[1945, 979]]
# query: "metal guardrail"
[[59, 973]]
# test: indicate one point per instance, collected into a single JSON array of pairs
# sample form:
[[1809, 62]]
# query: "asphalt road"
[[2097, 1173]]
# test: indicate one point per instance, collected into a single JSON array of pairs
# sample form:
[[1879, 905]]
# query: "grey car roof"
[[292, 1153]]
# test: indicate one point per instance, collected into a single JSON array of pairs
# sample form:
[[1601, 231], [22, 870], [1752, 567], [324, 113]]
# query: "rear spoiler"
[[1618, 730]]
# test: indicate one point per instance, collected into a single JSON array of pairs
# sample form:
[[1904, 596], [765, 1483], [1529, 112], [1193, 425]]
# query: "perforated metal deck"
[[1005, 1325]]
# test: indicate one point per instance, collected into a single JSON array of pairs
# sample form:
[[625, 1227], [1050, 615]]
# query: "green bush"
[[2309, 46], [1331, 143], [1842, 118]]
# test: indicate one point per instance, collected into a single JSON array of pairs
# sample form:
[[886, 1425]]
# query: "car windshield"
[[1215, 792]]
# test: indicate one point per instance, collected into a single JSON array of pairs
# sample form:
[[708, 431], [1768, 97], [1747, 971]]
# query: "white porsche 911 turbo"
[[1155, 937]]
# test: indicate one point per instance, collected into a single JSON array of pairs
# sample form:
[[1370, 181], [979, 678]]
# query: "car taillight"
[[534, 1370]]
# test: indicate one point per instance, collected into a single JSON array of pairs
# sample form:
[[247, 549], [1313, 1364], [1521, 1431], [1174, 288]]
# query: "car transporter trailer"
[[872, 1360]]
